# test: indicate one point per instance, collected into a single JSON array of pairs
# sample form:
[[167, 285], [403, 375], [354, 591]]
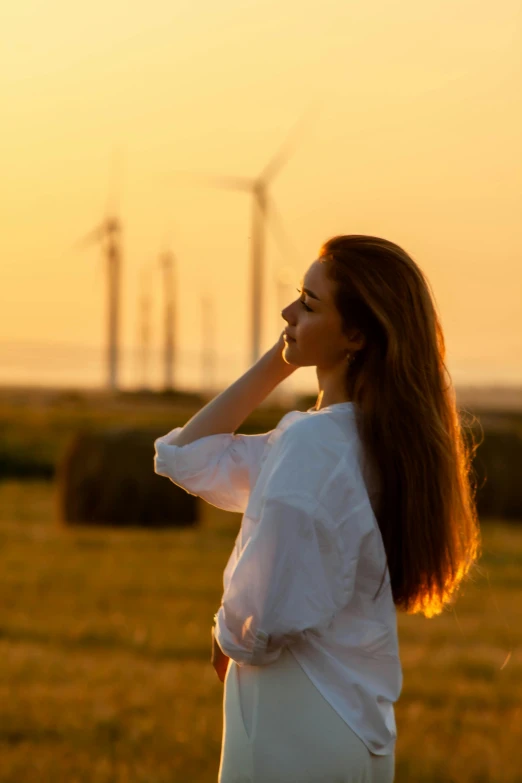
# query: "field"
[[105, 648]]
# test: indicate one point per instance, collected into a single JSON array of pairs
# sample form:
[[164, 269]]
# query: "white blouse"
[[307, 560]]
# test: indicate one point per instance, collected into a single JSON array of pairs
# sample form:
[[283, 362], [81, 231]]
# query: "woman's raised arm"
[[228, 410]]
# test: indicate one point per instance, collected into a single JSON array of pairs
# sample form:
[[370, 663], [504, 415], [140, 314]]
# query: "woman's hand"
[[280, 344], [219, 660], [229, 409], [280, 366]]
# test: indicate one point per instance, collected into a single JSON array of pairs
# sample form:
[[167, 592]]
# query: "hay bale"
[[107, 478], [498, 470]]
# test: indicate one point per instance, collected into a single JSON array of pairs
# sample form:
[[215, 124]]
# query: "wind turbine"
[[108, 233], [167, 265], [262, 207], [208, 350], [144, 309]]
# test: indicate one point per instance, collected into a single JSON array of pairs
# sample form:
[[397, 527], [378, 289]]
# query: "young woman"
[[351, 510]]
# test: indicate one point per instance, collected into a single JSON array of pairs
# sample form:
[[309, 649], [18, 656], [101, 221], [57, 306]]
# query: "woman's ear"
[[357, 339]]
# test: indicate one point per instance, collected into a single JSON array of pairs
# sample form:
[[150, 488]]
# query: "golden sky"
[[416, 138]]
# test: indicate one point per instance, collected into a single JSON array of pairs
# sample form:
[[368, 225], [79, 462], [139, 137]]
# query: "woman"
[[352, 509]]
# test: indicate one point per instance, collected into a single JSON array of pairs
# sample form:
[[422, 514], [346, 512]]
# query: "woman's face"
[[315, 323]]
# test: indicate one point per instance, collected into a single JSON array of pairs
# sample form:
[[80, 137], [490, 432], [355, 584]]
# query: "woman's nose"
[[286, 312]]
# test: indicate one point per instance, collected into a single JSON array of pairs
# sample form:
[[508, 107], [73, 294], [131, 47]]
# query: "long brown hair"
[[409, 422]]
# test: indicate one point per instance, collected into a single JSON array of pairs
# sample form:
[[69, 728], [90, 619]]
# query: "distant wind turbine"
[[144, 319], [167, 265], [208, 350], [262, 207], [108, 233]]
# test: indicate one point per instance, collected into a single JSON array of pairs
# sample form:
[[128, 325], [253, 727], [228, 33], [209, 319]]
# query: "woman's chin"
[[288, 354]]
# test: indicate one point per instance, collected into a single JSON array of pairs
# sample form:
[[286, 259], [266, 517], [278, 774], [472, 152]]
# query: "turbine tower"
[[109, 234], [167, 265], [262, 207], [144, 320], [208, 349]]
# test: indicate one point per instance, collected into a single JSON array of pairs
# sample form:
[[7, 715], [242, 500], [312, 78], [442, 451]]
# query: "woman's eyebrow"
[[310, 293]]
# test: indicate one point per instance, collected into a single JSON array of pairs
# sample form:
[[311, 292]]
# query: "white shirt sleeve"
[[290, 579], [219, 468]]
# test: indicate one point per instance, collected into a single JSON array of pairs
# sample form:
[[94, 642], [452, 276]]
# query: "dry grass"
[[105, 646]]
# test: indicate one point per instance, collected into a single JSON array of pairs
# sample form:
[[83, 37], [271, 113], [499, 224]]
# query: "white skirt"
[[278, 728]]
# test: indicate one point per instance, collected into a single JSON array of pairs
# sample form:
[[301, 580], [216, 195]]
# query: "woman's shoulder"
[[301, 437], [318, 427]]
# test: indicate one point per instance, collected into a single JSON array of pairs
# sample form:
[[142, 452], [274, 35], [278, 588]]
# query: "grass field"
[[105, 649]]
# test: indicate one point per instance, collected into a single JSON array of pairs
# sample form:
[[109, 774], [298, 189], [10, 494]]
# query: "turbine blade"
[[90, 238], [233, 183], [115, 178], [280, 235], [287, 148]]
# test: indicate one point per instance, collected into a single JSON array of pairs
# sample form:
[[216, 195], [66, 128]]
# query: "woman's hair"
[[408, 422]]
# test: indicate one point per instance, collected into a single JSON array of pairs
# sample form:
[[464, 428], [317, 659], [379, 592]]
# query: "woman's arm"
[[228, 410]]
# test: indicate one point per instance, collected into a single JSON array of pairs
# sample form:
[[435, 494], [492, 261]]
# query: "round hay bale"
[[107, 478]]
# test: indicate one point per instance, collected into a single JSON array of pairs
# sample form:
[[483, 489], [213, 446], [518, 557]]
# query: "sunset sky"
[[416, 138]]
